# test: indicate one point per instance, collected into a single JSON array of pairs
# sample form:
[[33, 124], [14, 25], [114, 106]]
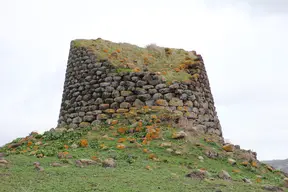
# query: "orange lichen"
[[153, 116], [120, 146], [155, 135], [177, 69], [161, 102], [105, 50], [145, 150], [121, 140], [145, 141], [29, 143], [157, 121], [236, 171], [148, 168], [94, 158], [137, 129], [121, 130], [66, 146], [254, 164], [245, 163], [182, 66], [195, 76], [114, 122], [136, 69], [140, 123], [149, 127], [228, 148], [168, 51], [103, 146], [131, 140], [146, 61], [152, 156], [84, 143], [258, 180]]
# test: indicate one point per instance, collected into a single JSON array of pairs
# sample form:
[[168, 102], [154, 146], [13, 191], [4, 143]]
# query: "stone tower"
[[105, 79]]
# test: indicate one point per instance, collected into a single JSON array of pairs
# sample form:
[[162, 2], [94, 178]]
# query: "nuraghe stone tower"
[[105, 79]]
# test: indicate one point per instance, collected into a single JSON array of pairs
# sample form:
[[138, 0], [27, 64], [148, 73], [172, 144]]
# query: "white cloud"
[[243, 44]]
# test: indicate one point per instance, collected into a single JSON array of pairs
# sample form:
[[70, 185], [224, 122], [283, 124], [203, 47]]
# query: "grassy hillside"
[[141, 152]]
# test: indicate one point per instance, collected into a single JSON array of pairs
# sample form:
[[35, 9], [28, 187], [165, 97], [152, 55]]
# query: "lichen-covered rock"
[[84, 124], [224, 175], [272, 188], [138, 103], [176, 102], [104, 106], [89, 118], [228, 147], [87, 162], [179, 135], [166, 144], [109, 111], [122, 110], [285, 182], [125, 105], [161, 102], [77, 120], [232, 161], [3, 161], [110, 162], [60, 129], [126, 93], [199, 174], [102, 116], [246, 180], [211, 154]]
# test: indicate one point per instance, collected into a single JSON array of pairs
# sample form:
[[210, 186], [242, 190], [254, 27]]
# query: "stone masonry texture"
[[94, 90]]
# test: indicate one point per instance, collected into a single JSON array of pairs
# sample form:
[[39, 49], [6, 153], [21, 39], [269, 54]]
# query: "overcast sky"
[[243, 43]]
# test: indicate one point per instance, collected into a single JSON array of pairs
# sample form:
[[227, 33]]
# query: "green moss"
[[176, 76], [152, 57], [76, 43], [119, 70]]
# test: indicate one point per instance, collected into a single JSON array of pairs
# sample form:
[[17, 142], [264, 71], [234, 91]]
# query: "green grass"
[[167, 171], [126, 177], [169, 62]]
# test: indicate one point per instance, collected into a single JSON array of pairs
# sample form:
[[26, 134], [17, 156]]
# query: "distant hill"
[[279, 164]]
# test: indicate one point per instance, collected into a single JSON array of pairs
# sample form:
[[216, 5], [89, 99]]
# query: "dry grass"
[[168, 62]]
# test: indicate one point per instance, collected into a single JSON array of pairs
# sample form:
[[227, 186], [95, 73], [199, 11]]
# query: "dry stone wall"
[[94, 90]]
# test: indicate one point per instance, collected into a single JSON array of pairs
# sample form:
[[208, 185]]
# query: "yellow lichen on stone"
[[245, 163], [109, 111], [254, 164], [228, 148]]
